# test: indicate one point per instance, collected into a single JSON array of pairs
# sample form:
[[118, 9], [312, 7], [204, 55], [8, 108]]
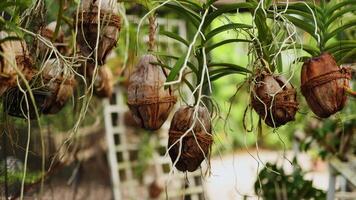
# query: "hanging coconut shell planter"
[[322, 85], [48, 33], [196, 144], [274, 99], [61, 84], [14, 59], [90, 15], [148, 101]]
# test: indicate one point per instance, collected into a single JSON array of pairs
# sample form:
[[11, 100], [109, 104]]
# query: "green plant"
[[283, 186], [325, 23]]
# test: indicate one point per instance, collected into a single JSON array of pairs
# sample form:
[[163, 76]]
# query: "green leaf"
[[223, 10], [189, 64], [175, 37], [340, 44], [340, 13], [309, 28], [184, 79], [302, 7], [279, 63], [220, 75], [347, 56], [175, 70], [4, 5], [340, 29], [226, 27], [214, 46], [333, 8], [189, 14], [313, 51], [230, 66]]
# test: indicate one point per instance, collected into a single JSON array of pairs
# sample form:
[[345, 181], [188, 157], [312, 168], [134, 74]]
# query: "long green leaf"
[[226, 27], [342, 28], [214, 46], [333, 8], [347, 56], [340, 13], [175, 70], [223, 10], [189, 64], [220, 75], [309, 28], [230, 66], [190, 15], [313, 51], [175, 37], [190, 86]]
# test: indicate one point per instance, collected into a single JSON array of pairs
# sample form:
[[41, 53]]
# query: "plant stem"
[[152, 32], [59, 19]]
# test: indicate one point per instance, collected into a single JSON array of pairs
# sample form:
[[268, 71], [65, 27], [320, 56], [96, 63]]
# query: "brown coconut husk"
[[196, 144], [104, 81], [154, 190], [148, 101], [322, 85], [59, 84], [88, 28], [14, 54], [48, 33], [130, 121], [280, 109]]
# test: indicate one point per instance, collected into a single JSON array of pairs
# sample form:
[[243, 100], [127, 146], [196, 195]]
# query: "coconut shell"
[[148, 101], [130, 121], [104, 83], [88, 28], [195, 144], [322, 85], [48, 33], [154, 190], [280, 109], [60, 85], [14, 54]]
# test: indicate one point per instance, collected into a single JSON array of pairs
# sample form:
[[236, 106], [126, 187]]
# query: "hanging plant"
[[60, 83], [148, 100], [274, 99], [48, 33], [190, 134], [90, 15], [15, 62], [323, 83], [190, 138]]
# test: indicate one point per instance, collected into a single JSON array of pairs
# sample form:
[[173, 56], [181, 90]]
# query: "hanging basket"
[[87, 23], [16, 106], [323, 84], [274, 99], [148, 101], [14, 55], [60, 84], [196, 144], [48, 33]]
